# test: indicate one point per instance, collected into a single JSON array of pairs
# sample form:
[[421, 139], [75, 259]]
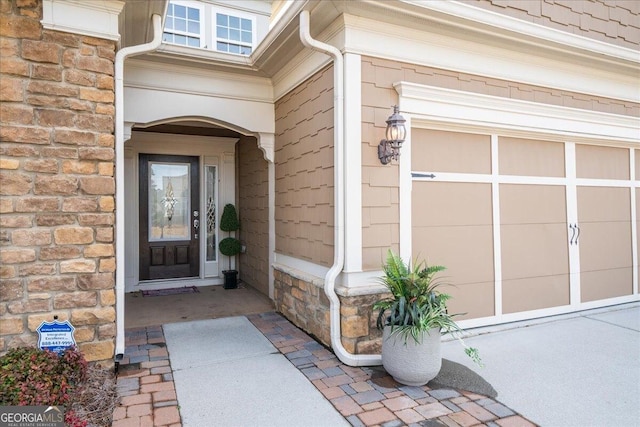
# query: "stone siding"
[[57, 254], [301, 299]]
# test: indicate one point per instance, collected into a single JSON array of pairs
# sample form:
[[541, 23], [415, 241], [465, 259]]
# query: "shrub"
[[30, 376], [229, 221], [230, 246]]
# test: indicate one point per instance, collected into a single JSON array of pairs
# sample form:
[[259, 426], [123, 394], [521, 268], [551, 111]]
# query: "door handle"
[[196, 222], [573, 234]]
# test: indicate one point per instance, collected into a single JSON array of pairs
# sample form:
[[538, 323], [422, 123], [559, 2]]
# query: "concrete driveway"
[[578, 370]]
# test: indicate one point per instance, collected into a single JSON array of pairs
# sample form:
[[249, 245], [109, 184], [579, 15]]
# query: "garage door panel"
[[532, 250], [530, 157], [532, 204], [535, 293], [603, 204], [444, 203], [452, 227], [601, 162], [443, 151], [472, 300], [605, 245], [466, 252], [602, 284]]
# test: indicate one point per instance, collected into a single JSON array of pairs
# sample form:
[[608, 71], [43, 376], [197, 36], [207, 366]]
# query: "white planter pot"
[[410, 362]]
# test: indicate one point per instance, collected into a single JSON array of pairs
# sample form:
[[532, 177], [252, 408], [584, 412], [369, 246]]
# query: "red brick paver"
[[145, 383], [365, 396], [369, 396]]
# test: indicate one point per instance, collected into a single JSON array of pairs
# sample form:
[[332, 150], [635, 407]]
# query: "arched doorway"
[[179, 174]]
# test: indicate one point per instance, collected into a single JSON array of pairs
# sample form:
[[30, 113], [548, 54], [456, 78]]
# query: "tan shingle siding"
[[253, 209], [616, 22], [304, 170]]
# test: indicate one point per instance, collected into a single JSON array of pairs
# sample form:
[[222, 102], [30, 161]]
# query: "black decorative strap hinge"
[[422, 175]]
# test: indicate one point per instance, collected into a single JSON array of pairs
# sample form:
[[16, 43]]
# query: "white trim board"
[[90, 18], [478, 111]]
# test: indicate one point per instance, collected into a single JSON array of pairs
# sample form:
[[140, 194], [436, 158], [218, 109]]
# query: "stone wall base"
[[301, 299]]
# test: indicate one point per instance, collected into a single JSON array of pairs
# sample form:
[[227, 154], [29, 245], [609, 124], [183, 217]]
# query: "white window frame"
[[201, 35], [238, 14]]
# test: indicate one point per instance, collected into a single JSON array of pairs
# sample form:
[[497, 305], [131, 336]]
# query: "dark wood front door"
[[169, 217]]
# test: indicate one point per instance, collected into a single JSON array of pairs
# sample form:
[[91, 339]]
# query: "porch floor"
[[210, 303]]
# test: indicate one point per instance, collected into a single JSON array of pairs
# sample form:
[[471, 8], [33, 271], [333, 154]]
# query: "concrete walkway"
[[578, 370], [227, 373]]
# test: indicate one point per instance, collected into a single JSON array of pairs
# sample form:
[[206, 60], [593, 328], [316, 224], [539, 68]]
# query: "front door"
[[169, 217]]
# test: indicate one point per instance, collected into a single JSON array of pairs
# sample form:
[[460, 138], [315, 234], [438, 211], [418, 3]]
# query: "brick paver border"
[[368, 396]]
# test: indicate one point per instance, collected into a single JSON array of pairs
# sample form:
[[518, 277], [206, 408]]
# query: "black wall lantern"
[[389, 148]]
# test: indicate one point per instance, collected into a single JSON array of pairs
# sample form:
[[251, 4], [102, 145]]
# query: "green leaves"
[[416, 305], [229, 220]]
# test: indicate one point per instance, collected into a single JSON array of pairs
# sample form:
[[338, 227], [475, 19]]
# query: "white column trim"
[[405, 183], [497, 242], [353, 158], [634, 219], [272, 225], [571, 194]]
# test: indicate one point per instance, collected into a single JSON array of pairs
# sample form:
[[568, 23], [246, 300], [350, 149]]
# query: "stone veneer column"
[[301, 299], [56, 182]]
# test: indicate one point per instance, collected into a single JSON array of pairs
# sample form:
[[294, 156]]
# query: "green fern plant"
[[416, 305]]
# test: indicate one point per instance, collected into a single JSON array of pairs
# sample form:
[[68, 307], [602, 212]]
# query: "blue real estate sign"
[[55, 336]]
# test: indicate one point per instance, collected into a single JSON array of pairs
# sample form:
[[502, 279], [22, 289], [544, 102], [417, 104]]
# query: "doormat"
[[170, 291]]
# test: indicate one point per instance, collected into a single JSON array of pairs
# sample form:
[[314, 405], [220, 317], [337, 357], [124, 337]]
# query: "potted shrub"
[[413, 319], [230, 246]]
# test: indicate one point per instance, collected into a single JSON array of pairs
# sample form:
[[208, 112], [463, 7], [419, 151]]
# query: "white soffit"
[[429, 104], [95, 18], [368, 37]]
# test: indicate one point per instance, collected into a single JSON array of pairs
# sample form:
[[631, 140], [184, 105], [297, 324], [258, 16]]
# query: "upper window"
[[184, 24], [204, 25], [234, 34]]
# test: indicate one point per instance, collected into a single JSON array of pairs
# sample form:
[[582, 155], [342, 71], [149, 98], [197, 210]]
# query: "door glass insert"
[[169, 201], [210, 174]]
